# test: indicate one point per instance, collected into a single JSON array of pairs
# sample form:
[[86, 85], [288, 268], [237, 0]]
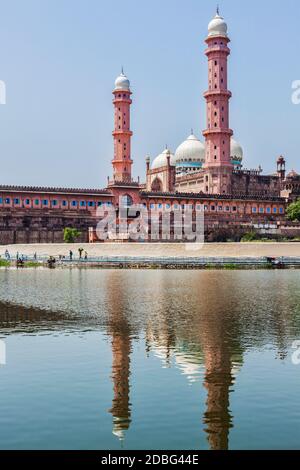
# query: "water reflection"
[[120, 331], [202, 348], [200, 323], [208, 338]]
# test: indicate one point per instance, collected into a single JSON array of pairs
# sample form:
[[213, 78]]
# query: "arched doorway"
[[126, 200]]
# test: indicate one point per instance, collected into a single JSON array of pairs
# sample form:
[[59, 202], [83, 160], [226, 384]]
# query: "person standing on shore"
[[80, 251], [85, 255], [71, 255], [7, 255]]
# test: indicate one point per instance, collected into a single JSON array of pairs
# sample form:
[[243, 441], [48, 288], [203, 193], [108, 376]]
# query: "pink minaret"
[[122, 134], [218, 134]]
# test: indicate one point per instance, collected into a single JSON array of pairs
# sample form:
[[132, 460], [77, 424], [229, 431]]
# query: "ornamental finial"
[[218, 10]]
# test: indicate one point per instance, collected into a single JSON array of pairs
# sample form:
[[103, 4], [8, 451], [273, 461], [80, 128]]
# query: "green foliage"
[[293, 211], [32, 264], [4, 263], [71, 234], [230, 266], [249, 237]]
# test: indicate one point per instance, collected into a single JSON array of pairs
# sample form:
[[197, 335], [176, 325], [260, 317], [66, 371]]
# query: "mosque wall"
[[251, 182]]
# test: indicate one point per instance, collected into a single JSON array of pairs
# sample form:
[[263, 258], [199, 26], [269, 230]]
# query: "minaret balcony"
[[122, 160], [217, 49], [217, 130], [122, 100], [122, 132], [217, 92]]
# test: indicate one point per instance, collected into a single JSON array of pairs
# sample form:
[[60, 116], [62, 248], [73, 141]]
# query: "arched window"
[[157, 185]]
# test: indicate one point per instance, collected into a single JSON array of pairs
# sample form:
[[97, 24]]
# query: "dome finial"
[[192, 131], [122, 70], [218, 10]]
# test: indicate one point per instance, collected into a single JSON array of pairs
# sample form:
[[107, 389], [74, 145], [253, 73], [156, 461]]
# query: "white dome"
[[217, 26], [161, 160], [191, 150], [122, 83], [236, 151]]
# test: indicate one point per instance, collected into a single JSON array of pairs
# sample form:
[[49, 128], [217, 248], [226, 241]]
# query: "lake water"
[[111, 359]]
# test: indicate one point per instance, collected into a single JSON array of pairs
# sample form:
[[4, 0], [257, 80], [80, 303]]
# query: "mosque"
[[208, 173]]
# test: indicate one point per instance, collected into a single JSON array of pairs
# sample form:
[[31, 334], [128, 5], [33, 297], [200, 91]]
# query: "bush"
[[249, 237], [71, 234]]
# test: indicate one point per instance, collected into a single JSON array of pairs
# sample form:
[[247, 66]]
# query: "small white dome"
[[122, 83], [191, 150], [217, 26], [236, 151], [161, 160]]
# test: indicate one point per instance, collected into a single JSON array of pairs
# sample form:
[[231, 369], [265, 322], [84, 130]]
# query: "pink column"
[[122, 161], [218, 134]]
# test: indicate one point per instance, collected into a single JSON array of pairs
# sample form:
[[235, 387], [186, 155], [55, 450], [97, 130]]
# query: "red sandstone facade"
[[232, 198]]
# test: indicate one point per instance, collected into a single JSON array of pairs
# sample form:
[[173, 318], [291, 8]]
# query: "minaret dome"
[[217, 26], [122, 82]]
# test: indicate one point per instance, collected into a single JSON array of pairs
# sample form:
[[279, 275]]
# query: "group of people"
[[18, 256], [81, 252]]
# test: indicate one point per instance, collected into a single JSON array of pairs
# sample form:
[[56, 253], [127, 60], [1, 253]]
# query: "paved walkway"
[[209, 250]]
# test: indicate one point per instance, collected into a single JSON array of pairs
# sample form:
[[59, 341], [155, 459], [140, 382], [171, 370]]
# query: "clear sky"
[[59, 60]]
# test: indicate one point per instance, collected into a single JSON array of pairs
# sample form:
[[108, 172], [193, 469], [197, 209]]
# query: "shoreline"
[[158, 250], [252, 255], [260, 265]]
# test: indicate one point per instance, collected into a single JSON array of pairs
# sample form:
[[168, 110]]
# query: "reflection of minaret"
[[121, 349], [218, 380], [120, 332], [220, 334]]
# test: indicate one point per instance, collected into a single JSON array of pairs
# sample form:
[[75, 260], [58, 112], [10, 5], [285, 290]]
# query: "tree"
[[293, 211], [70, 234]]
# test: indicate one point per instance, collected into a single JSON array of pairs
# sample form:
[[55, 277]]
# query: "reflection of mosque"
[[206, 345], [219, 365], [200, 347], [201, 333], [206, 353]]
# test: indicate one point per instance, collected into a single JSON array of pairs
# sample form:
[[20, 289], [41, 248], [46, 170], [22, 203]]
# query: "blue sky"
[[59, 60]]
